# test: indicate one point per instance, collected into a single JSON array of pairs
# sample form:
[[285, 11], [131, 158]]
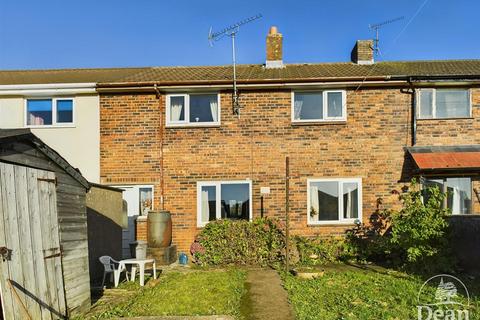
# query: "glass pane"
[[39, 112], [308, 106], [426, 108], [64, 111], [459, 195], [335, 104], [203, 108], [350, 200], [324, 201], [208, 203], [236, 201], [430, 183], [177, 109], [452, 103], [146, 200]]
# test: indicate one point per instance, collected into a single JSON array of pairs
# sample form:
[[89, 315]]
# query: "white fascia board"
[[47, 89]]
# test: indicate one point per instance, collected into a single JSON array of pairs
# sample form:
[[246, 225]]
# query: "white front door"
[[137, 197]]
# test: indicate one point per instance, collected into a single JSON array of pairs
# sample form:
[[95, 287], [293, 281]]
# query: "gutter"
[[51, 89]]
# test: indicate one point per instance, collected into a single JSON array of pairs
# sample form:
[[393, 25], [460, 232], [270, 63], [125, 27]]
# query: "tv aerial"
[[375, 27], [231, 31]]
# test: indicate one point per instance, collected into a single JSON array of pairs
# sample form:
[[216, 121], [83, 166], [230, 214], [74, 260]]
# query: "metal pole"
[[235, 95], [261, 206], [287, 218]]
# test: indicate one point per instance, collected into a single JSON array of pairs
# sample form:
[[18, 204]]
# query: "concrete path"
[[267, 297]]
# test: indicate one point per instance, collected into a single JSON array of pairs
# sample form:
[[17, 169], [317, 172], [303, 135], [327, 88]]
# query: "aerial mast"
[[375, 27], [232, 31]]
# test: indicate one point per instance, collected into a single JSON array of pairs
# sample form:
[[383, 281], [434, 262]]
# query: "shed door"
[[31, 278]]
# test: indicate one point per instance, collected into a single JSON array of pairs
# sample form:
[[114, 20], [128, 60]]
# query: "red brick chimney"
[[274, 49], [362, 53]]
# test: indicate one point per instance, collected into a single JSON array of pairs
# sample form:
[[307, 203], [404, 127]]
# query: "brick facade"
[[369, 145]]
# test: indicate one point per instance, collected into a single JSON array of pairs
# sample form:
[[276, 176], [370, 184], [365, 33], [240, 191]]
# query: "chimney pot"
[[362, 53], [274, 48], [273, 30]]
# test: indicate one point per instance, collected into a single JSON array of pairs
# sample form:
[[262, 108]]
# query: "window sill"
[[439, 119], [331, 224], [324, 122], [192, 125], [51, 126]]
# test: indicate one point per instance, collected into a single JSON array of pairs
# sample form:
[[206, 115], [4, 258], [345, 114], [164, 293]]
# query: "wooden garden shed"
[[44, 269]]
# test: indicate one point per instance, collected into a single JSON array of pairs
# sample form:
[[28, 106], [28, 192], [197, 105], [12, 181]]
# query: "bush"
[[414, 237], [321, 250], [227, 242]]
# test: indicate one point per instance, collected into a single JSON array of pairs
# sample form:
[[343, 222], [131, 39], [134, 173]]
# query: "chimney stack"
[[274, 49], [362, 53]]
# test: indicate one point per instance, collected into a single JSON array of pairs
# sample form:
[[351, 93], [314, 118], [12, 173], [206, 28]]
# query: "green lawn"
[[361, 294], [212, 292]]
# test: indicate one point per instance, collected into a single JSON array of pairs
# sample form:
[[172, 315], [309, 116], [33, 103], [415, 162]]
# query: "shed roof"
[[26, 134], [245, 73]]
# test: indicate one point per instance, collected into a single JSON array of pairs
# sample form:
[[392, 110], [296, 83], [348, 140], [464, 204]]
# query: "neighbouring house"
[[353, 131], [44, 269]]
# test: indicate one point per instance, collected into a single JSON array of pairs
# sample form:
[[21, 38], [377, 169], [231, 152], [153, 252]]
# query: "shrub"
[[227, 242], [414, 237], [321, 250]]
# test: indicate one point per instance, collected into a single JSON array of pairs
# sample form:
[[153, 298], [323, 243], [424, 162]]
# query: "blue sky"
[[106, 33]]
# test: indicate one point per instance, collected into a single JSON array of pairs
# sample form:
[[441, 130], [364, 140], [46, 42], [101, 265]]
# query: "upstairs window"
[[444, 103], [333, 201], [49, 112], [193, 109], [223, 200], [319, 106], [458, 190]]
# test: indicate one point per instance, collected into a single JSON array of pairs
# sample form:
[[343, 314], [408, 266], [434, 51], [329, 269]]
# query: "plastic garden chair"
[[112, 267]]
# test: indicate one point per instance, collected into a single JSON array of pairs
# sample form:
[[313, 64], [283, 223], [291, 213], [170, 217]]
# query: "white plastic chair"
[[112, 267]]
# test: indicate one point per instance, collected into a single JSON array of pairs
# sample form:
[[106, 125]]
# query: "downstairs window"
[[223, 200], [459, 193], [332, 201]]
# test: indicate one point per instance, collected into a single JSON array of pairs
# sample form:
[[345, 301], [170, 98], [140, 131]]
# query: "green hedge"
[[239, 242]]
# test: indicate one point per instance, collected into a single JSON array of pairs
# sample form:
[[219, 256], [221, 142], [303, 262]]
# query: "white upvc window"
[[443, 103], [319, 106], [49, 112], [223, 200], [199, 109], [334, 201]]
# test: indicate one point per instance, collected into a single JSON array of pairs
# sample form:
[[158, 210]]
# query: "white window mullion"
[[324, 105], [340, 201], [218, 204], [187, 108], [54, 111], [434, 103]]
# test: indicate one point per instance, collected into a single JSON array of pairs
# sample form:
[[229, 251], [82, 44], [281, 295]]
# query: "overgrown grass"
[[214, 292], [361, 295]]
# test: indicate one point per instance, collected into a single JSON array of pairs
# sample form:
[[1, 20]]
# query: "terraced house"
[[353, 131]]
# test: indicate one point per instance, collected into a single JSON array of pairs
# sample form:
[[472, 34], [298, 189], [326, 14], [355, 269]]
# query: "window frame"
[[54, 124], [444, 189], [434, 104], [341, 220], [186, 122], [218, 198], [326, 118]]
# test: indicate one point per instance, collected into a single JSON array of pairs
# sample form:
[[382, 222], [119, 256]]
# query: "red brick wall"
[[369, 145]]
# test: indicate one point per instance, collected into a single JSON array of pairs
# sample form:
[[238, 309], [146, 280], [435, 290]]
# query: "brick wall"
[[369, 145]]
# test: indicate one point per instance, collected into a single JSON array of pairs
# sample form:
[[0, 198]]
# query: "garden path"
[[267, 299]]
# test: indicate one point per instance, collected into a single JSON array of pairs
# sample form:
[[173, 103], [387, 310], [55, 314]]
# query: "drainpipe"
[[162, 188], [414, 112]]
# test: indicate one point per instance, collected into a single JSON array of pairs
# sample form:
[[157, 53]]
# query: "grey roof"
[[246, 73]]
